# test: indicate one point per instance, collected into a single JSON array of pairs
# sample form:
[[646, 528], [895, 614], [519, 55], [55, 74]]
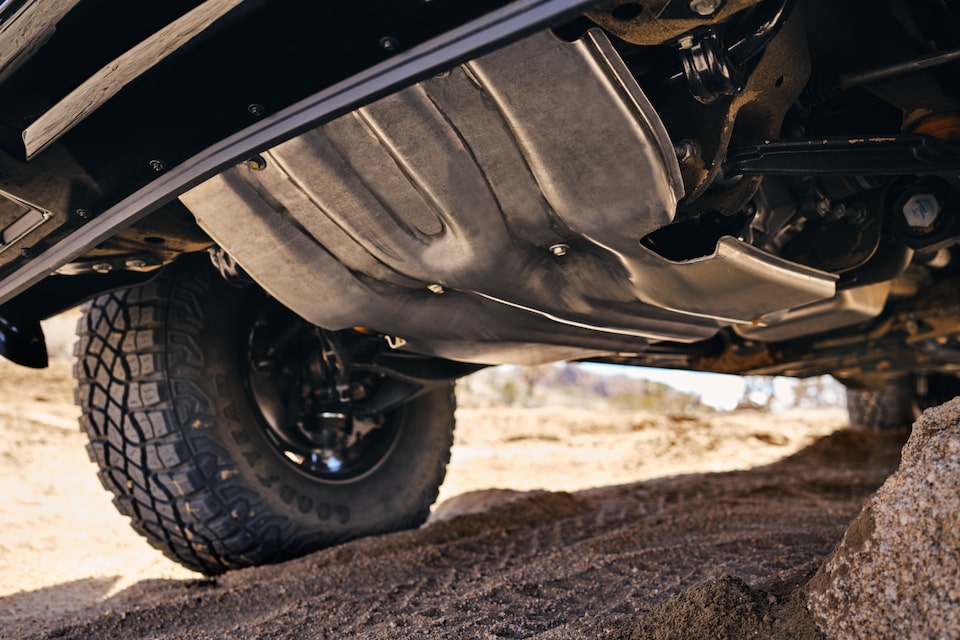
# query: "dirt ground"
[[552, 524]]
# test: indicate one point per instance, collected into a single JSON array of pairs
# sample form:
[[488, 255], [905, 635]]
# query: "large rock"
[[896, 573]]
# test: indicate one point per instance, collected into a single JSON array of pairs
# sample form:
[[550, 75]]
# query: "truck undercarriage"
[[390, 196]]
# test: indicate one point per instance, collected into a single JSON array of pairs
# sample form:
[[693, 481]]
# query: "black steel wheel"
[[234, 434]]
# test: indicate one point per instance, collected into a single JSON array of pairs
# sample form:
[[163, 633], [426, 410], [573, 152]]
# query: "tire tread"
[[162, 478], [151, 432]]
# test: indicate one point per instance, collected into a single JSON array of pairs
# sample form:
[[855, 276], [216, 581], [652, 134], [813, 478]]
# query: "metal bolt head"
[[856, 214], [705, 7], [560, 249], [256, 110], [823, 206], [158, 165], [389, 44], [26, 253], [435, 288], [83, 214], [134, 264], [257, 163], [102, 267], [687, 150], [921, 210]]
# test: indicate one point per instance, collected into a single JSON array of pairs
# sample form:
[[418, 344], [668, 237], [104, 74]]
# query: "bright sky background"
[[717, 390]]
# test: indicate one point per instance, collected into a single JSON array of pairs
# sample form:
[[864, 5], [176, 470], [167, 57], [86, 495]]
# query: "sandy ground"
[[597, 525]]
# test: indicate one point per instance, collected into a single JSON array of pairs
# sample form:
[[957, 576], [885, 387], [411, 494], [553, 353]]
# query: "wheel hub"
[[305, 397]]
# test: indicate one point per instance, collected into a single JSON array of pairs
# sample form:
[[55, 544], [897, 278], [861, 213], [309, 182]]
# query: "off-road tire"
[[899, 404], [890, 408], [173, 432]]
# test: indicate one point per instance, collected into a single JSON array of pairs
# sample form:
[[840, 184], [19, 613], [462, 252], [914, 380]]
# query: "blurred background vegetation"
[[575, 385]]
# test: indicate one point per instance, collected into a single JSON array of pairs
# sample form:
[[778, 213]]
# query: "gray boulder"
[[896, 573]]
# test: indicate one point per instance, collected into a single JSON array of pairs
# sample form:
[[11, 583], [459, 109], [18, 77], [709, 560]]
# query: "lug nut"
[[921, 210]]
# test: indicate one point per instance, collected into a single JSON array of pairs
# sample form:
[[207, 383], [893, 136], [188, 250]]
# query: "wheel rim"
[[304, 399]]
